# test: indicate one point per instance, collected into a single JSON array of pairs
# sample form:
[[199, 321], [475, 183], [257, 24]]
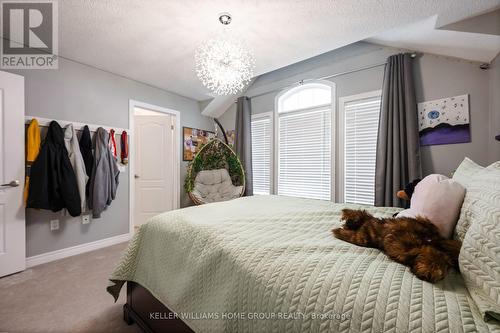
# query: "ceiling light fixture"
[[223, 64]]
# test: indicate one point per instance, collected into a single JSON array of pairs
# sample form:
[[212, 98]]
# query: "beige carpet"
[[64, 296]]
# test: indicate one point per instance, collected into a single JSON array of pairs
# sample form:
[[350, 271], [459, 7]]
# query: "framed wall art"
[[193, 140], [444, 121]]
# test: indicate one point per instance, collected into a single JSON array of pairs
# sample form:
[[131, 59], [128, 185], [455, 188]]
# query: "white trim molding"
[[78, 126], [74, 250]]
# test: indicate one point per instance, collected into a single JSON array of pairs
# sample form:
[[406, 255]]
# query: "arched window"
[[305, 96], [304, 141]]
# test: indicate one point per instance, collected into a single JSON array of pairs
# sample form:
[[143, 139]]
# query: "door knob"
[[136, 176], [14, 183]]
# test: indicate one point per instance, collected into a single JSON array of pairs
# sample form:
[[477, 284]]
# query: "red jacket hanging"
[[124, 147], [112, 143]]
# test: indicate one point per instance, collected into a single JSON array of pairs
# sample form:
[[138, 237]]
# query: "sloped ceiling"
[[476, 38], [153, 41], [488, 23]]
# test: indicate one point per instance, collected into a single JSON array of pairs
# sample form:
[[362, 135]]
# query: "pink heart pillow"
[[439, 199]]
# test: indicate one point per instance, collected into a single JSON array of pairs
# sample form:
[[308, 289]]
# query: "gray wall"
[[436, 77], [81, 93], [494, 73], [228, 119]]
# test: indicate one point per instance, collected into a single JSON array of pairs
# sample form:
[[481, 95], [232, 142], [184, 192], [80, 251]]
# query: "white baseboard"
[[74, 250]]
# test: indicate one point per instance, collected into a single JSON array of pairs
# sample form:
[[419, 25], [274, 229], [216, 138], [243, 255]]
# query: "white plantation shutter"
[[304, 153], [261, 154], [361, 118]]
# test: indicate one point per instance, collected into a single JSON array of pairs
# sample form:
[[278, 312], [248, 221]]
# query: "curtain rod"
[[413, 56]]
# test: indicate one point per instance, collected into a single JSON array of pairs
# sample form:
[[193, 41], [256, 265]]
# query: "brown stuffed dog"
[[414, 242]]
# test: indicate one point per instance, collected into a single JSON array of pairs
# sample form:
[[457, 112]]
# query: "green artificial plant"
[[215, 155]]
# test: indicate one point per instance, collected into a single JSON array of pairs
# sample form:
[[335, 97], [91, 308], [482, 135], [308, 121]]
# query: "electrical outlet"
[[85, 219], [54, 225]]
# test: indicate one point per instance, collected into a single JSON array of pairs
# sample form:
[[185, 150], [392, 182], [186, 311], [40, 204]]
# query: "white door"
[[155, 165], [12, 223]]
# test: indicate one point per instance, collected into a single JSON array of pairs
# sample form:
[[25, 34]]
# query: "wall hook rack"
[[45, 122]]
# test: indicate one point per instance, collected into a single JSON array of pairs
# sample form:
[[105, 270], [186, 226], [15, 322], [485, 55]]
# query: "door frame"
[[177, 193]]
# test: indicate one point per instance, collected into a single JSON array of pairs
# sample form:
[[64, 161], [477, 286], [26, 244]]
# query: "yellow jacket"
[[33, 141]]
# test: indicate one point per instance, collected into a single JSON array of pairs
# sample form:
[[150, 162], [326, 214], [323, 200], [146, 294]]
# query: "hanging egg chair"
[[215, 174]]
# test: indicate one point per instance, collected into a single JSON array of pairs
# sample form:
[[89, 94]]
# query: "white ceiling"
[[153, 41]]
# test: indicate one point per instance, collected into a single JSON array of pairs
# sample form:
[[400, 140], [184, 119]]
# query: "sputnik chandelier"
[[223, 64]]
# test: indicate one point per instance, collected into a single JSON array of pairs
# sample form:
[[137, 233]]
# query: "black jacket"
[[86, 150], [53, 183]]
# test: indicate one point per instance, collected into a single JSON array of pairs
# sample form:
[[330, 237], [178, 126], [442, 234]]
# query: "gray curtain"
[[398, 150], [243, 139]]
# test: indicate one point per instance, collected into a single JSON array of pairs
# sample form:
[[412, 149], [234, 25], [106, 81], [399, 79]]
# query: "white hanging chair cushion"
[[214, 186]]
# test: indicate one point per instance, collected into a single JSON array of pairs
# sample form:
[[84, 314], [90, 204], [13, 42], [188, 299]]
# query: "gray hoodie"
[[76, 159], [104, 178]]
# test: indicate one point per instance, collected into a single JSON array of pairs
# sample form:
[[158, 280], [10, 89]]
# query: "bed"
[[271, 264]]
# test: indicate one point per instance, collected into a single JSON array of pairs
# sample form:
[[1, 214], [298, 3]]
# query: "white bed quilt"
[[271, 264]]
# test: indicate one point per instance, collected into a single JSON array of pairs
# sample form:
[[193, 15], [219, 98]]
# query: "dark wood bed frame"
[[149, 313]]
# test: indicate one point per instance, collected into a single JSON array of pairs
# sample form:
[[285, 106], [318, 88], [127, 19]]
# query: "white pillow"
[[439, 199], [479, 259], [465, 171], [464, 175]]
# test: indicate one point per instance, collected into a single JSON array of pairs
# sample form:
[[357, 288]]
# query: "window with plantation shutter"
[[360, 115], [261, 153], [304, 150]]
